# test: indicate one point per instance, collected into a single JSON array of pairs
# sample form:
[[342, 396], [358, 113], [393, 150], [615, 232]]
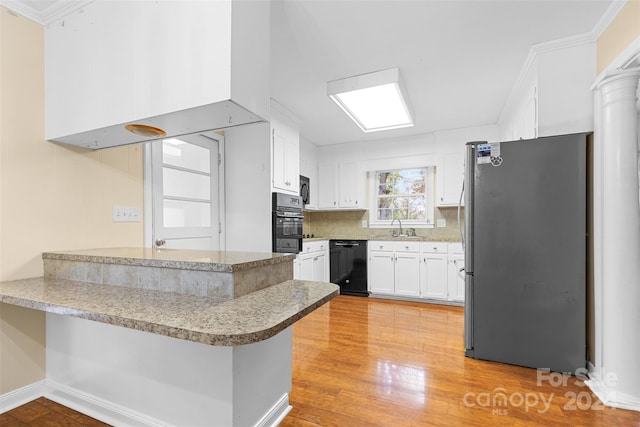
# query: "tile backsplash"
[[348, 224]]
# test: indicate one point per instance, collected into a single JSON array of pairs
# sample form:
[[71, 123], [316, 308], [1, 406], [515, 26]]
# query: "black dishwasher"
[[348, 266]]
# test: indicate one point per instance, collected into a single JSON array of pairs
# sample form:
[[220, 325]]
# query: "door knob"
[[160, 242]]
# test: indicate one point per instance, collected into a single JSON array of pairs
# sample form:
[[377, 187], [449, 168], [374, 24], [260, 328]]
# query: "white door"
[[187, 187], [381, 272], [319, 267], [327, 178], [434, 277], [347, 185], [407, 274], [306, 266], [456, 278]]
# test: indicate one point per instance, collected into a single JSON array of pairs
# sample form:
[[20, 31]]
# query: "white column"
[[618, 242]]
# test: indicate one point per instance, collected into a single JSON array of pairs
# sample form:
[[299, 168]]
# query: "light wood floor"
[[370, 362], [45, 413]]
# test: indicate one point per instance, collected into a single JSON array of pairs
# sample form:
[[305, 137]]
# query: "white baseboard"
[[416, 299], [110, 412], [609, 396], [276, 414], [23, 395], [98, 408]]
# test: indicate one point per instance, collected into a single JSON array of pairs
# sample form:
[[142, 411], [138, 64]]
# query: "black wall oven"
[[287, 223]]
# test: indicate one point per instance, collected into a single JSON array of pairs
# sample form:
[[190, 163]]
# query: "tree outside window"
[[402, 194]]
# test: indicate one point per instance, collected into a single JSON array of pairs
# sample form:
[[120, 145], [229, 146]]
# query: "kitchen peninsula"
[[169, 337]]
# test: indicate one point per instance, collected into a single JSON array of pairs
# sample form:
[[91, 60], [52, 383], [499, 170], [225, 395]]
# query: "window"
[[405, 194]]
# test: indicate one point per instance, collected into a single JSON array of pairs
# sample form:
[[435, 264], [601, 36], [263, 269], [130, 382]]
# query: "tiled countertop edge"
[[183, 265], [244, 320]]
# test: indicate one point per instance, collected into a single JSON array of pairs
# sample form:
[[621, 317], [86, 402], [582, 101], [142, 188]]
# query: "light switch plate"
[[125, 214], [364, 223], [441, 222]]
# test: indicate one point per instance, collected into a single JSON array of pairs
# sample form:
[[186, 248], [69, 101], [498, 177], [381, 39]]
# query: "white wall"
[[565, 98], [428, 144], [143, 376], [248, 188], [250, 54]]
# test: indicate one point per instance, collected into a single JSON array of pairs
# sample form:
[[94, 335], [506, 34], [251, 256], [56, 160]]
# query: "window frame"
[[429, 197]]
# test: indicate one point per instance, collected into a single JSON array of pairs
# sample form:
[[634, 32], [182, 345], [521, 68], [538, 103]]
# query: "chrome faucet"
[[399, 225]]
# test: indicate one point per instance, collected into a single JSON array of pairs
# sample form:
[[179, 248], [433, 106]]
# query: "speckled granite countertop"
[[385, 237], [250, 318], [220, 261]]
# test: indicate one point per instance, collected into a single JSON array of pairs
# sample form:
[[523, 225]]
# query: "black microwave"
[[304, 190]]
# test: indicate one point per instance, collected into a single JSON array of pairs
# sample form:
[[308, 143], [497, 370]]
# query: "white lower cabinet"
[[313, 262], [433, 270], [456, 272], [428, 270], [381, 272], [407, 269], [394, 268]]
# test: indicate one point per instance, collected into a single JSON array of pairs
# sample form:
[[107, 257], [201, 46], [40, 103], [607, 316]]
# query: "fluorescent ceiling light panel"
[[375, 101]]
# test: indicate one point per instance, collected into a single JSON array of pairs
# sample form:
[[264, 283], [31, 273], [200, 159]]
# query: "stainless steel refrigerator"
[[525, 252]]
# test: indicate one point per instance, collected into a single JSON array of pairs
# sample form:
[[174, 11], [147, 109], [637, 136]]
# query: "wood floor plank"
[[374, 362]]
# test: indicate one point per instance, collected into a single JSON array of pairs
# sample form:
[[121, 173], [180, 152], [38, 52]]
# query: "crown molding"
[[609, 15], [559, 44], [55, 12]]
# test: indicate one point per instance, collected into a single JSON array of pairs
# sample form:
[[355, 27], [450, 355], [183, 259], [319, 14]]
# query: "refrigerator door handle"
[[468, 315], [459, 211], [469, 196]]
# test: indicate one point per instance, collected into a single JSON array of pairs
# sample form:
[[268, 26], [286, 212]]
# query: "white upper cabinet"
[[342, 186], [449, 176], [309, 168], [328, 186], [524, 121], [350, 186], [285, 149], [184, 67]]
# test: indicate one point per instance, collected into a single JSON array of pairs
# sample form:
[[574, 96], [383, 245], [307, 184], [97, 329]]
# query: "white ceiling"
[[459, 59]]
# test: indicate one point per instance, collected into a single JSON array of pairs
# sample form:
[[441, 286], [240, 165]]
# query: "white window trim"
[[430, 200]]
